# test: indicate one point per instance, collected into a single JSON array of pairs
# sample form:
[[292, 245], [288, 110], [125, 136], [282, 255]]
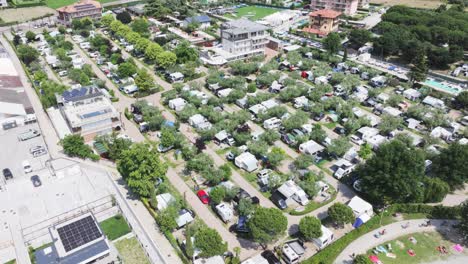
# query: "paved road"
[[394, 230]]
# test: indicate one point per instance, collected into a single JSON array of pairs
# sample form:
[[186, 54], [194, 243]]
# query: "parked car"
[[340, 130], [36, 181], [356, 140], [26, 166], [230, 156], [31, 133], [138, 118], [203, 196], [270, 257], [7, 174], [319, 116], [38, 151]]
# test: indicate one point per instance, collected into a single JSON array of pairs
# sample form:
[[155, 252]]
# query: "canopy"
[[361, 220], [458, 248]]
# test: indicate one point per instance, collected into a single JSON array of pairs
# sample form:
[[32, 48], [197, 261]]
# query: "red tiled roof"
[[73, 8], [314, 31], [328, 13]]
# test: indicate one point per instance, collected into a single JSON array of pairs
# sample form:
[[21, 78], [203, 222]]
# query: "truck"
[[31, 133]]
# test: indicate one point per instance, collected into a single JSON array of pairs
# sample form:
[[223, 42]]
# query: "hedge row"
[[434, 212]]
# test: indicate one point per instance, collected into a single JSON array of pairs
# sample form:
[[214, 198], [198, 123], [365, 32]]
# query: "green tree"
[[152, 51], [365, 151], [341, 214], [31, 36], [435, 190], [393, 174], [463, 225], [310, 227], [303, 161], [339, 146], [218, 194], [332, 43], [318, 134], [140, 166], [157, 8], [246, 207], [189, 250], [209, 242], [451, 165], [419, 69], [27, 54], [124, 17], [166, 59], [76, 24], [106, 20], [296, 120], [275, 156], [16, 40], [141, 26], [127, 69], [141, 44], [267, 224], [144, 81], [74, 146], [461, 100], [185, 53], [389, 123], [49, 89], [166, 219], [114, 144], [359, 37], [167, 137], [361, 259]]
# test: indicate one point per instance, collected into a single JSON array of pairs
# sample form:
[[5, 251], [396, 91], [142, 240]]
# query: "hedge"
[[434, 212]]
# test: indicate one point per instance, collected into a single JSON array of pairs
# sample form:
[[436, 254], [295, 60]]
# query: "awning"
[[361, 220], [100, 148]]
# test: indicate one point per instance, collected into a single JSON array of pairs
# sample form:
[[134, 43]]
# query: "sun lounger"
[[382, 249]]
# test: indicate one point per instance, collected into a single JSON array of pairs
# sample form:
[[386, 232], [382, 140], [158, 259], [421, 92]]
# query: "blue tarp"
[[358, 223]]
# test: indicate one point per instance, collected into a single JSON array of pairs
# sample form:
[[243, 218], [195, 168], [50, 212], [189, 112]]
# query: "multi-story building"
[[243, 38], [3, 3], [322, 22], [79, 10], [347, 7], [363, 4], [88, 112]]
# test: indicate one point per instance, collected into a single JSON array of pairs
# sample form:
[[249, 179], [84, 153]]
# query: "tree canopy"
[[341, 214], [140, 166], [393, 174], [310, 227], [451, 165], [74, 146], [267, 224], [209, 242], [332, 43]]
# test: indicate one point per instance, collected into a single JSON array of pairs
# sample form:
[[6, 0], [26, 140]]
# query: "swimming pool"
[[442, 86]]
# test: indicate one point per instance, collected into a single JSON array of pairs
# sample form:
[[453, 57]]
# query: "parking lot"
[[14, 152]]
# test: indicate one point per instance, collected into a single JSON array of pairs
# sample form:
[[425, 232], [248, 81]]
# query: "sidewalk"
[[368, 241]]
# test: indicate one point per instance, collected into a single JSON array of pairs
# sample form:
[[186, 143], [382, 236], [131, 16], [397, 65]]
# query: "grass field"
[[59, 3], [411, 3], [425, 249], [253, 12], [131, 251], [115, 227]]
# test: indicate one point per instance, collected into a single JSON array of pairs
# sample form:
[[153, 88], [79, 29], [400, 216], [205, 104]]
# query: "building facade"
[[79, 10], [347, 7], [3, 3], [88, 112], [322, 22], [243, 38]]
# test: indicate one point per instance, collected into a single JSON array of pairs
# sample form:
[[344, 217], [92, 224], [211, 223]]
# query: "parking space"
[[14, 152]]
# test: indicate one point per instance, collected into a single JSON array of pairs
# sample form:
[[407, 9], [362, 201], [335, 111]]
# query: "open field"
[[253, 12], [24, 14], [60, 3], [425, 249], [131, 252], [115, 227], [411, 3]]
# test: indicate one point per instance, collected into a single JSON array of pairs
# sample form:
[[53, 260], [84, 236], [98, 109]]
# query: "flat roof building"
[[347, 7]]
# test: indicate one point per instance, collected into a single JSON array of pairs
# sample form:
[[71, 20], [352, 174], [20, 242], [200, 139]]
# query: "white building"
[[434, 102], [326, 238], [177, 104], [243, 38], [246, 161], [311, 148], [272, 123], [411, 94], [293, 193], [199, 122], [164, 200], [360, 207], [392, 111], [258, 259], [3, 3], [225, 212], [88, 112], [367, 132]]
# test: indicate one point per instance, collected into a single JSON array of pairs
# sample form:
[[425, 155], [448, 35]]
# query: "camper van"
[[225, 212], [175, 77], [272, 123]]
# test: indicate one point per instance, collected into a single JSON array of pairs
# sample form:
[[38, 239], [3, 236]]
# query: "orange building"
[[322, 22]]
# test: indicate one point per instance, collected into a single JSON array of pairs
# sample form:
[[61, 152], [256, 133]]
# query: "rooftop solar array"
[[68, 95], [85, 6], [78, 233]]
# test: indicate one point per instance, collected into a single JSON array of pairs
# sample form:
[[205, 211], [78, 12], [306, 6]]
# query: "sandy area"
[[412, 3], [25, 14]]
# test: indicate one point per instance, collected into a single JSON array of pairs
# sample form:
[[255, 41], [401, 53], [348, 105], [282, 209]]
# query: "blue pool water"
[[442, 86]]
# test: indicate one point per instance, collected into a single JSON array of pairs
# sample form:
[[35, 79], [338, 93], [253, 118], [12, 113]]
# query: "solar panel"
[[66, 95], [78, 233], [85, 6], [83, 91]]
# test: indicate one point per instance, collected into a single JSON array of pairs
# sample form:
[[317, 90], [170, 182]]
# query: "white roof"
[[177, 75], [326, 233], [221, 135], [258, 259], [392, 111], [411, 93], [184, 219], [269, 103], [292, 47], [310, 147], [12, 109], [177, 102], [359, 206], [256, 109], [197, 119], [432, 101], [224, 92], [248, 159], [368, 131], [212, 260], [164, 200]]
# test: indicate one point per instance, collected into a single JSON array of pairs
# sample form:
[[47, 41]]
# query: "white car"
[[357, 140], [26, 166]]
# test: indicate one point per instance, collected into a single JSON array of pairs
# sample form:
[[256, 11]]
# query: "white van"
[[272, 123], [26, 166]]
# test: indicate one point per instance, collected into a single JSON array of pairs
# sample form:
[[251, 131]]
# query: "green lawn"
[[425, 249], [131, 251], [115, 227], [253, 12], [60, 3]]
